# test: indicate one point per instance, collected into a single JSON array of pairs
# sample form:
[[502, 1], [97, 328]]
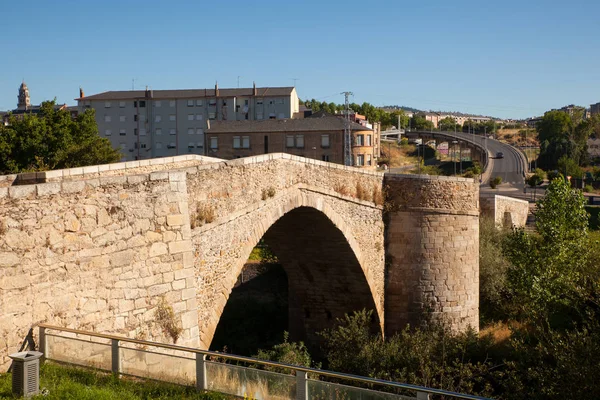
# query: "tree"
[[537, 178], [419, 123], [53, 140], [447, 124], [547, 275]]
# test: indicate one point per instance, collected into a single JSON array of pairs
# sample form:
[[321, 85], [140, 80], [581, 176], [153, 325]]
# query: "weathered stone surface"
[[116, 240]]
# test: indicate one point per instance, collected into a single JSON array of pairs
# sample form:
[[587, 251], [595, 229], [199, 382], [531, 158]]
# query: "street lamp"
[[454, 142]]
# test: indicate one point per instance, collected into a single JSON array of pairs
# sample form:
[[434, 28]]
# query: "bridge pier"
[[432, 252]]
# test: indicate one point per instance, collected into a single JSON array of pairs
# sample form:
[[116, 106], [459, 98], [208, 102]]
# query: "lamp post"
[[454, 142]]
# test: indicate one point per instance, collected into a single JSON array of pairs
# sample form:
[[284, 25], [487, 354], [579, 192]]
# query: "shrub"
[[495, 182], [588, 188], [267, 193], [552, 175], [165, 318], [404, 141], [342, 189], [288, 353], [361, 192]]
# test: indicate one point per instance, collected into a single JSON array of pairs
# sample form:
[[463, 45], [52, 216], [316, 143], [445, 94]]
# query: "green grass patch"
[[67, 382]]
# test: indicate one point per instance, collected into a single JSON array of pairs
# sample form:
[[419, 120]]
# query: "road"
[[510, 168]]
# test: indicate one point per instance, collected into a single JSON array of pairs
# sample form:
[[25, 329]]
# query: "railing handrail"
[[322, 372]]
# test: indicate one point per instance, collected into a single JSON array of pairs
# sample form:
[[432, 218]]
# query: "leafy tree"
[[569, 167], [447, 124], [419, 123], [53, 140], [492, 271], [537, 178], [548, 270]]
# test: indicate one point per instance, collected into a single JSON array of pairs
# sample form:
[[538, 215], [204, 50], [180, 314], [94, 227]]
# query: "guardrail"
[[125, 356]]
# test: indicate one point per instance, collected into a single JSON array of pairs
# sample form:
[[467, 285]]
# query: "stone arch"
[[264, 217]]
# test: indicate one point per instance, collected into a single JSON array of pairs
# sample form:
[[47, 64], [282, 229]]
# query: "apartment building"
[[161, 123], [321, 138], [595, 109]]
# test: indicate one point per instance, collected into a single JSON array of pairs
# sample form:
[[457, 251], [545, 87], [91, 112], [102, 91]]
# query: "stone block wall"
[[432, 252], [97, 254], [506, 211]]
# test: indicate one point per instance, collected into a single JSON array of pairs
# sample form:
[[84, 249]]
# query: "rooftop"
[[189, 93], [283, 125]]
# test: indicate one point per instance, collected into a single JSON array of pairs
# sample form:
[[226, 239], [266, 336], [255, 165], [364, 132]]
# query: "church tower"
[[24, 101]]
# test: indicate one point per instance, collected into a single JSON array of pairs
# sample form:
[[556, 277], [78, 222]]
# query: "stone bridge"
[[153, 248]]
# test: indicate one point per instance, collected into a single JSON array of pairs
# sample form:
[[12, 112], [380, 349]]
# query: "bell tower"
[[24, 101]]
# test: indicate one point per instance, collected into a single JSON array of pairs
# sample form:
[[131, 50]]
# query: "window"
[[199, 131], [142, 145], [325, 141], [200, 145], [236, 142], [172, 117], [158, 131], [158, 145], [279, 101], [121, 104], [190, 103], [259, 116], [300, 141], [172, 132], [245, 142], [270, 102], [122, 132], [289, 141], [135, 117], [108, 132], [214, 143], [259, 101], [191, 145], [190, 131], [246, 102], [107, 104], [142, 118], [272, 116], [325, 157], [123, 146], [212, 102], [190, 117], [121, 118], [225, 102], [360, 140], [369, 140], [135, 132], [171, 103], [157, 103], [211, 115], [142, 103], [368, 159], [198, 102], [281, 116], [171, 145], [157, 118], [142, 132], [198, 117], [360, 160]]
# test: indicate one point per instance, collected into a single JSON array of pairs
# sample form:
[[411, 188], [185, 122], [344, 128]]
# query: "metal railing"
[[302, 379]]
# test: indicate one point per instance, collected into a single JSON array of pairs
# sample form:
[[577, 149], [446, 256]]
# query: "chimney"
[[254, 92], [148, 93], [81, 94], [216, 89]]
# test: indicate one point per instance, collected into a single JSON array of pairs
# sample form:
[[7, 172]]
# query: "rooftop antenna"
[[239, 80], [295, 79], [347, 130], [133, 83]]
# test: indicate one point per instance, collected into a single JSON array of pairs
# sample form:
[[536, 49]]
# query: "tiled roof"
[[283, 125], [189, 93]]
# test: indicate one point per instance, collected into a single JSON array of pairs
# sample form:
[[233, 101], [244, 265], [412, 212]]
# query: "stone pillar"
[[432, 252]]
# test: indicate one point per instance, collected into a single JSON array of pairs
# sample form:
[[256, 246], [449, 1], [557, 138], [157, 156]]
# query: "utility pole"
[[347, 131]]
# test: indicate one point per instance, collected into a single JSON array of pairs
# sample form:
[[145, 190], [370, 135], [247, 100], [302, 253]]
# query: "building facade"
[[320, 138], [162, 123], [595, 109]]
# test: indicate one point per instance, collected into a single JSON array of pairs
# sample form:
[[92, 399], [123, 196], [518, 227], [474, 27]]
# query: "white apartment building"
[[162, 123]]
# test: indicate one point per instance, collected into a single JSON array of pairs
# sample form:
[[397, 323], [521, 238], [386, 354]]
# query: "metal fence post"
[[115, 356], [42, 342], [201, 382], [301, 385], [422, 396]]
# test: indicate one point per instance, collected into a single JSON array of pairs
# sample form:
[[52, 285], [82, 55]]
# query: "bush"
[[288, 353], [552, 175], [495, 182], [588, 188], [404, 142]]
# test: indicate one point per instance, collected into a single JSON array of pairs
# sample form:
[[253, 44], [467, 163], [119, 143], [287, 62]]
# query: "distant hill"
[[405, 108]]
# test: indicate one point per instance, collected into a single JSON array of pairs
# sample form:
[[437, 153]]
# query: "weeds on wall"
[[268, 193], [361, 192], [165, 318], [204, 214], [342, 189], [2, 228], [377, 195]]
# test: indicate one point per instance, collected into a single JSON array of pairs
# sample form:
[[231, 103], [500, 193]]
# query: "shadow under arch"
[[321, 258]]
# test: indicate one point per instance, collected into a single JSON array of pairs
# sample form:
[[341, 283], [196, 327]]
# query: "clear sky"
[[509, 59]]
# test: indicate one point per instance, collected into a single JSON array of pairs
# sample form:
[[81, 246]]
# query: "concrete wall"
[[506, 211]]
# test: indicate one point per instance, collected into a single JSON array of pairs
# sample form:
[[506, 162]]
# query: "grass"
[[398, 155], [67, 382]]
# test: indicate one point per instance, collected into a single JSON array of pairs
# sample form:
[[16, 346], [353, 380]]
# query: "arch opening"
[[316, 280]]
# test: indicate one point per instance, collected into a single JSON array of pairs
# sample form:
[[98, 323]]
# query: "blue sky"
[[508, 59]]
